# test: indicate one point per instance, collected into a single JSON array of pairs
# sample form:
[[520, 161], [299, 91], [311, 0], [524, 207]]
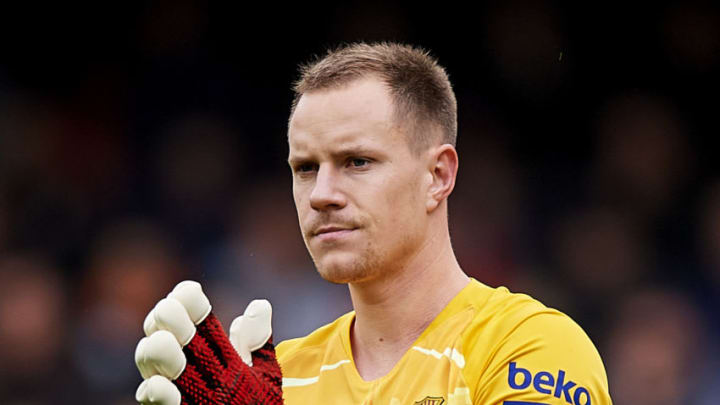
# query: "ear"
[[443, 168]]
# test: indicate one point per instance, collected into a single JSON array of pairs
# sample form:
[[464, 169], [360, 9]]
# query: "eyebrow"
[[355, 150], [352, 150]]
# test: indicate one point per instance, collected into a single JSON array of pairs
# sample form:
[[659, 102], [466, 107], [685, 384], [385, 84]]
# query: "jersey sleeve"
[[282, 348], [545, 359]]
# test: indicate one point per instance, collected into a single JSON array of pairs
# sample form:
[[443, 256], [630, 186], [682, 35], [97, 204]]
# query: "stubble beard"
[[361, 266]]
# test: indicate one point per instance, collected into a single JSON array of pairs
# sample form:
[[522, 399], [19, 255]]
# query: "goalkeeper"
[[372, 136]]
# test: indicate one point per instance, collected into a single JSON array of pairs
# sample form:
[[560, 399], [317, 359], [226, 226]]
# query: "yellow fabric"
[[488, 346]]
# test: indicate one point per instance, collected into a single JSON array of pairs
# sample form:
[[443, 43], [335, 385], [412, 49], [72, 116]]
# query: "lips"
[[328, 229], [332, 232]]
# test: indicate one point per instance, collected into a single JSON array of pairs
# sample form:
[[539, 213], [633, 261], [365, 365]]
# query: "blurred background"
[[143, 143]]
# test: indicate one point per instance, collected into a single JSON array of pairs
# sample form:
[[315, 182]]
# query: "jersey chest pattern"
[[429, 373], [488, 346]]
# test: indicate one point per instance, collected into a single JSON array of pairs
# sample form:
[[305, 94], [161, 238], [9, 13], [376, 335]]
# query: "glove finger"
[[238, 339], [160, 354], [149, 325], [252, 330], [158, 390], [146, 371], [190, 294], [170, 315], [211, 329]]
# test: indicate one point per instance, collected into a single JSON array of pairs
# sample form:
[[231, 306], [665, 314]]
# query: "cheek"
[[404, 205], [300, 207], [409, 190], [300, 196]]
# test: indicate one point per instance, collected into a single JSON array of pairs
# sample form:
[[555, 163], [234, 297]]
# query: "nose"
[[326, 193]]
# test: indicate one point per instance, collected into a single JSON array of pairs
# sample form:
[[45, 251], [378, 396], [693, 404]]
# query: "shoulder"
[[503, 305], [314, 344], [498, 311], [516, 347], [506, 314]]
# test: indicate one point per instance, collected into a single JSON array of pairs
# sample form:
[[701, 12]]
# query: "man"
[[371, 135]]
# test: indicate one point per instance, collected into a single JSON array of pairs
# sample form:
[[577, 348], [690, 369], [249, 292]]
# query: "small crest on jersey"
[[431, 401]]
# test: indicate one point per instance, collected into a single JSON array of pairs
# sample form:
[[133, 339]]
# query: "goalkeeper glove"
[[186, 357]]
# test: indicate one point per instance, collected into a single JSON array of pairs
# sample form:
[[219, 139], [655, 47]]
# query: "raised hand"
[[186, 357]]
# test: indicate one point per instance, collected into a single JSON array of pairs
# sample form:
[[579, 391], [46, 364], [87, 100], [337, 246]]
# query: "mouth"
[[332, 232]]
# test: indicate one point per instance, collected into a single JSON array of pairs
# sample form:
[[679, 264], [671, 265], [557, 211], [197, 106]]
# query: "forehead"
[[360, 111]]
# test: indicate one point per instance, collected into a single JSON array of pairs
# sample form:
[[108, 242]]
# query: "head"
[[423, 100], [371, 137]]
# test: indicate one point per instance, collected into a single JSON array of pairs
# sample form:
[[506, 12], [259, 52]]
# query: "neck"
[[392, 312]]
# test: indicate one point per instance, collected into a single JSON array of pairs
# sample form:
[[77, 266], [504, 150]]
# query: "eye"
[[358, 162], [306, 167]]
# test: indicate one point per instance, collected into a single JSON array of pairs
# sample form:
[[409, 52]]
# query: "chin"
[[345, 268]]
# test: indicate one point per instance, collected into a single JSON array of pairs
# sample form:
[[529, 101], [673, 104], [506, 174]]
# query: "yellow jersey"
[[488, 346]]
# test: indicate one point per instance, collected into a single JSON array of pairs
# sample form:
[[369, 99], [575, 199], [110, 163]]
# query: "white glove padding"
[[160, 354], [171, 325], [158, 390], [168, 327], [251, 330], [168, 315]]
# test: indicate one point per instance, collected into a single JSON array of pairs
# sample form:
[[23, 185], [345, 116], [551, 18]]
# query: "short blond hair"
[[422, 95]]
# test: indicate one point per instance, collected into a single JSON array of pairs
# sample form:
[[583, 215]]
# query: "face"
[[358, 188]]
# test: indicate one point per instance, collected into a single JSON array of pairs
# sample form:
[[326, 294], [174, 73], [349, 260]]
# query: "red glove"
[[205, 366]]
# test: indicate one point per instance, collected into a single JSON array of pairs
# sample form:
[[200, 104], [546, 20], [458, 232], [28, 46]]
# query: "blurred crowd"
[[153, 150]]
